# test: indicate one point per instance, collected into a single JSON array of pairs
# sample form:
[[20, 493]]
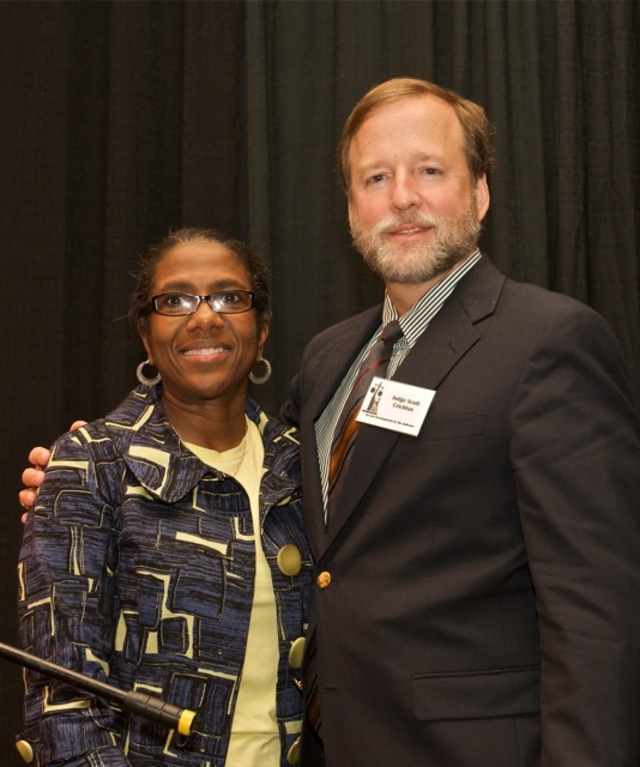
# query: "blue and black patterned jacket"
[[137, 569]]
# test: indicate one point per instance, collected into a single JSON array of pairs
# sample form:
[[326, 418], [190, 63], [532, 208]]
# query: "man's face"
[[413, 208]]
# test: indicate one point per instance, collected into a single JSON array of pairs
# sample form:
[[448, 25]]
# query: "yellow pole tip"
[[185, 721]]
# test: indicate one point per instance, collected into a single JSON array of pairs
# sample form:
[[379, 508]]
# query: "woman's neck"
[[213, 425]]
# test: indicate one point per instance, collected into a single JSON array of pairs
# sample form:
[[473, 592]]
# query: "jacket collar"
[[168, 471]]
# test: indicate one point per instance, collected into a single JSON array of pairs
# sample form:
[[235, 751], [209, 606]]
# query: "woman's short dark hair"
[[254, 264]]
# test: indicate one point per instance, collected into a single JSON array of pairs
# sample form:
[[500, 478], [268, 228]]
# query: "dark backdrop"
[[122, 119]]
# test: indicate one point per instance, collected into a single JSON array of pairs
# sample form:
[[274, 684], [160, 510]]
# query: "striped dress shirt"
[[413, 325]]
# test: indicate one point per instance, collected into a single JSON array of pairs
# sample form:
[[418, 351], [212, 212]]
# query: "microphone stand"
[[141, 703]]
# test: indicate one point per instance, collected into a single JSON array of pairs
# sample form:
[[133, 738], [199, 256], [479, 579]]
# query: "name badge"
[[395, 405]]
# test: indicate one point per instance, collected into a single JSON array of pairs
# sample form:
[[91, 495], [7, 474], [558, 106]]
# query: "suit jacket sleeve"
[[575, 457]]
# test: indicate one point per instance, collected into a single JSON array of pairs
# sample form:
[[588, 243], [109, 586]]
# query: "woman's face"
[[203, 356]]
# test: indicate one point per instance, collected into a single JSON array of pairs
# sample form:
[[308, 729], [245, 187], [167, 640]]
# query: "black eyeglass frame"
[[210, 299]]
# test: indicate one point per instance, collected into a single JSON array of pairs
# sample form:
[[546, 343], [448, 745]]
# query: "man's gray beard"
[[453, 239]]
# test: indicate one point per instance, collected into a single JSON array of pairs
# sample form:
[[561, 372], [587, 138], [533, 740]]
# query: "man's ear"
[[483, 197]]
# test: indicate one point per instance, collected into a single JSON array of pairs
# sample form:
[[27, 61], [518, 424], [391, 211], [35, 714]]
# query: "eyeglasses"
[[224, 302]]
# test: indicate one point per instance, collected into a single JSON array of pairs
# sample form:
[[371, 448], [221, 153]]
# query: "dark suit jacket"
[[483, 608]]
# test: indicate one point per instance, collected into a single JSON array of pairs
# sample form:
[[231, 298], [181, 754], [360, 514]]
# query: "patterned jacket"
[[137, 569]]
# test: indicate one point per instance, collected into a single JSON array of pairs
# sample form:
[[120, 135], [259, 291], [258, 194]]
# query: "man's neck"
[[404, 295]]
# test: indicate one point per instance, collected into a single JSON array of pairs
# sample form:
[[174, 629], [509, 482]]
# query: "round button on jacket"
[[289, 559], [293, 754], [25, 749], [324, 579], [296, 652]]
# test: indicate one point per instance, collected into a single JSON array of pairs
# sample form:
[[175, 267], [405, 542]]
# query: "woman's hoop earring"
[[143, 378], [260, 379]]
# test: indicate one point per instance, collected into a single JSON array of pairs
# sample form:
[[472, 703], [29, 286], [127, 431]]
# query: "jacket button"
[[289, 559], [293, 754], [324, 579], [296, 652], [25, 749]]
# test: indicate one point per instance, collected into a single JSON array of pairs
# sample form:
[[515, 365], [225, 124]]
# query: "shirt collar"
[[414, 322]]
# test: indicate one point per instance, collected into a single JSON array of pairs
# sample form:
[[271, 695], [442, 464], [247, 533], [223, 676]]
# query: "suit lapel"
[[324, 374], [331, 367], [451, 334]]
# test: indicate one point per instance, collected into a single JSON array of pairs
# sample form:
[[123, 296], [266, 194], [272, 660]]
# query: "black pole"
[[153, 708]]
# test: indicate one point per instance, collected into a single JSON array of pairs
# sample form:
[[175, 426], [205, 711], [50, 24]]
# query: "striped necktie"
[[374, 364]]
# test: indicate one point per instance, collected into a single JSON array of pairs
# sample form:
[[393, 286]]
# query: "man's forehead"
[[423, 119], [418, 107]]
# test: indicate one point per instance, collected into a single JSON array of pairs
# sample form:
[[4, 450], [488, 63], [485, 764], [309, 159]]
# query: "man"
[[477, 573], [477, 581]]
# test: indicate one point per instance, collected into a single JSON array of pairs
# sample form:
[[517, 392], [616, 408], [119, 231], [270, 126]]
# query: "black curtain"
[[123, 119]]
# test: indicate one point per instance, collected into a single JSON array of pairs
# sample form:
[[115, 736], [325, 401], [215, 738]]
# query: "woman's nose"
[[205, 316]]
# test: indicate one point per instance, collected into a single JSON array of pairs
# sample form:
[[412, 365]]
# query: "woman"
[[165, 552]]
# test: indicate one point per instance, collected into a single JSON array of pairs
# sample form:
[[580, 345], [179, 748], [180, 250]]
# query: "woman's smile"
[[204, 357]]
